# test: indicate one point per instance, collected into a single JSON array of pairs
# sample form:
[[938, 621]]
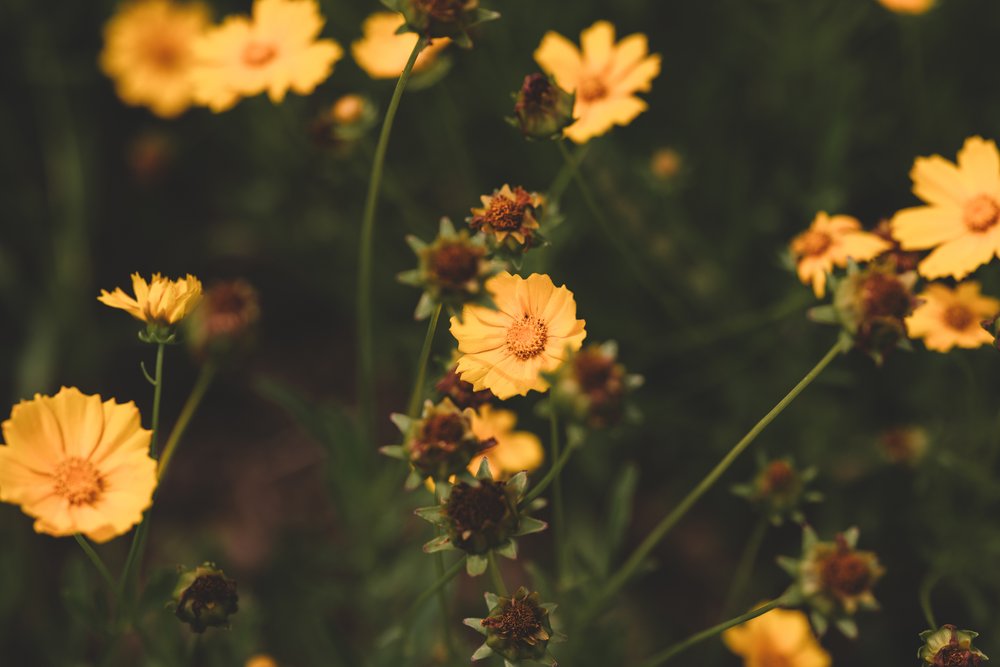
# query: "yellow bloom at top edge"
[[949, 318], [960, 219], [506, 350], [77, 464], [161, 301], [382, 54], [261, 660], [274, 51], [513, 452], [907, 6], [148, 52], [779, 637], [830, 241], [605, 76]]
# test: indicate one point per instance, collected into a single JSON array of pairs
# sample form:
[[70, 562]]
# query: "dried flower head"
[[461, 393], [950, 647], [592, 387], [517, 628], [779, 490], [205, 598], [509, 218], [442, 18], [542, 109]]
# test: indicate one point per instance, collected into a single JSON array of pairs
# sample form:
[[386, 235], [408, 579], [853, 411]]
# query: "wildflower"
[[605, 76], [963, 208], [344, 122], [831, 241], [160, 303], [77, 464], [274, 51], [780, 490], [517, 628], [507, 350], [148, 51], [205, 598], [442, 18], [507, 217], [542, 109], [514, 450], [461, 392], [261, 660], [779, 637], [382, 52], [904, 444], [591, 388], [948, 318], [907, 6], [224, 318], [950, 647]]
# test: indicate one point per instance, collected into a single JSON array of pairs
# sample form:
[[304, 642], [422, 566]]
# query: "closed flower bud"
[[461, 393], [205, 598], [542, 109], [779, 490], [442, 442], [950, 647], [592, 387]]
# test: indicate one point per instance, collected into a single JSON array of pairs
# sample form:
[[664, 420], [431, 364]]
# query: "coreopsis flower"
[[907, 6], [604, 76], [205, 598], [834, 579], [592, 386], [963, 208], [531, 332], [508, 218], [77, 464], [148, 52], [950, 647], [514, 450], [831, 241], [950, 317], [541, 108], [905, 445], [461, 392], [442, 18], [480, 517], [161, 303], [382, 52], [779, 637], [224, 319], [274, 51], [517, 628], [780, 490]]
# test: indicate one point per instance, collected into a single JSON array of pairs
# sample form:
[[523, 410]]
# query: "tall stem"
[[558, 513], [498, 584], [187, 412], [366, 344], [157, 391], [425, 353]]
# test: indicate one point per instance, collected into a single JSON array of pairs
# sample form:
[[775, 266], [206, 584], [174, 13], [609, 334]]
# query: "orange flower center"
[[165, 55], [959, 317], [78, 481], [981, 213], [526, 337], [506, 214], [845, 574], [811, 243], [256, 54], [591, 89]]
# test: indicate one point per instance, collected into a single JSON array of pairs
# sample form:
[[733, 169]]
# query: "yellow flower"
[[506, 350], [779, 638], [605, 76], [77, 465], [515, 450], [829, 242], [382, 54], [907, 6], [962, 212], [162, 301], [950, 318], [261, 660], [274, 51], [148, 52]]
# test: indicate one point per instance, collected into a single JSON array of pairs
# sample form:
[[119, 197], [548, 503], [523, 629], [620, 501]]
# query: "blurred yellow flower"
[[148, 52], [515, 450], [506, 350], [605, 76], [779, 638], [907, 6], [261, 660], [950, 318], [77, 465], [382, 54], [962, 211], [830, 241], [274, 51], [162, 301]]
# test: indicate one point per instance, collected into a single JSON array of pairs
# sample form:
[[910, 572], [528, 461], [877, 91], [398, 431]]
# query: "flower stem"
[[696, 638], [157, 390], [425, 353], [98, 563], [187, 412], [659, 532], [557, 465], [443, 604], [926, 586], [745, 568], [366, 344], [438, 585], [501, 588], [558, 513]]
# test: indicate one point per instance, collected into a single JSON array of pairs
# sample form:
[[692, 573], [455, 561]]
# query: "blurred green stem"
[[926, 586], [745, 568], [366, 343], [558, 513], [438, 585], [157, 390], [425, 353], [557, 465], [98, 563], [204, 380], [565, 175], [498, 584]]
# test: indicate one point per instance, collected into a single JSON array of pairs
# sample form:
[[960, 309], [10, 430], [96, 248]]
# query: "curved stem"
[[926, 586], [366, 345], [187, 412], [558, 513], [98, 563], [498, 584], [157, 391], [425, 353]]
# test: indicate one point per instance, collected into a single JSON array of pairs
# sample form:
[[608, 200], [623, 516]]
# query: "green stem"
[[157, 391], [366, 345], [443, 604], [501, 588], [425, 353], [558, 513], [565, 175], [549, 476], [926, 586], [438, 585], [659, 532], [187, 412], [745, 568], [682, 646], [98, 563]]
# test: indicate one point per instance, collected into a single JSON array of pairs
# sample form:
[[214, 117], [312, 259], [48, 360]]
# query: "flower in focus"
[[779, 637], [530, 333], [541, 108], [904, 444], [148, 51], [780, 490], [77, 464], [830, 241], [274, 51], [514, 450], [592, 386], [907, 6], [517, 628], [160, 303], [948, 318], [442, 18], [604, 76], [963, 208], [205, 598], [224, 318], [507, 217], [950, 647], [461, 392], [382, 53]]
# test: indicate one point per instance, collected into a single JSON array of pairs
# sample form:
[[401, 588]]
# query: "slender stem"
[[439, 569], [558, 513], [438, 585], [659, 532], [926, 586], [98, 563], [366, 345], [543, 484], [501, 588], [425, 353], [745, 568], [696, 638], [157, 390], [187, 412], [565, 175]]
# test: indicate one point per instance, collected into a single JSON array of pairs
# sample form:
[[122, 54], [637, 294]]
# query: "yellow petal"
[[927, 226], [938, 181], [559, 57], [979, 162], [958, 257], [597, 43]]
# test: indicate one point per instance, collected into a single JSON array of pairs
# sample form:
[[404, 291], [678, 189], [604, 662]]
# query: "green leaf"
[[439, 543], [483, 651], [508, 549], [529, 525], [475, 565], [476, 624]]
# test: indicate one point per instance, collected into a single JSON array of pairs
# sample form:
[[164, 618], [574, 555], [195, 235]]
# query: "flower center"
[[455, 264], [958, 317], [526, 337], [256, 54], [778, 478], [518, 620], [884, 295], [164, 54], [811, 243], [505, 214], [591, 89], [845, 574], [474, 508], [954, 655], [981, 213], [78, 481]]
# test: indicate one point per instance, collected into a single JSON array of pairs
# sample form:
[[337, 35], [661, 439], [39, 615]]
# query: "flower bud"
[[542, 109], [442, 442], [518, 628], [205, 598], [779, 490], [950, 647], [592, 387], [461, 393], [442, 18]]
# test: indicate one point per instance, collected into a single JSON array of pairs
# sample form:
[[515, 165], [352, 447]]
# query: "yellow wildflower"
[[261, 660], [382, 54], [605, 76], [148, 52], [830, 241], [950, 318], [161, 301], [962, 211], [506, 350], [77, 465], [779, 638], [907, 6], [513, 452], [274, 51]]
